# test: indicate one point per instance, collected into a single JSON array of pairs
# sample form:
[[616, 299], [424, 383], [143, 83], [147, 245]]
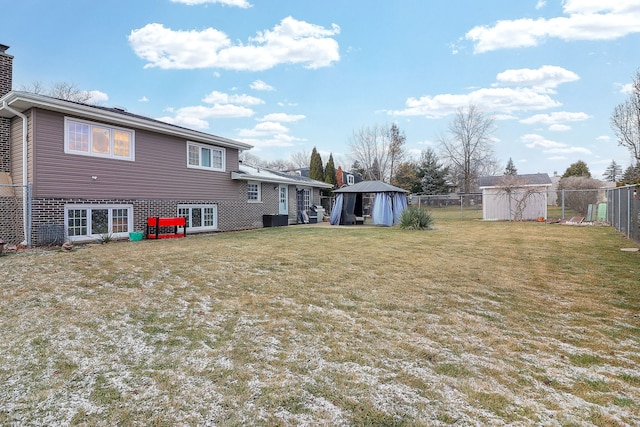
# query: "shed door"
[[284, 200]]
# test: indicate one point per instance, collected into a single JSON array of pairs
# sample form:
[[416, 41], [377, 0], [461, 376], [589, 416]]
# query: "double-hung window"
[[199, 217], [98, 140], [87, 222], [202, 156], [254, 192]]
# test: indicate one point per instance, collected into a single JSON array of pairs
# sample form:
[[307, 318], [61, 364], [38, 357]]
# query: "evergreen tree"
[[613, 172], [375, 172], [330, 172], [632, 174], [578, 168], [511, 168], [432, 174], [357, 169], [316, 171], [406, 177]]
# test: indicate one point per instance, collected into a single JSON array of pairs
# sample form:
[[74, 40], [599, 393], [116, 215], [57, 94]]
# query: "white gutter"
[[25, 164]]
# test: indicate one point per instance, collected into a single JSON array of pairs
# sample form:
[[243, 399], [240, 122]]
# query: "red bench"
[[158, 228]]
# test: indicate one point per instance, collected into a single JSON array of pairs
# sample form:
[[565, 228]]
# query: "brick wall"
[[6, 76], [48, 214], [239, 214], [6, 71], [5, 138]]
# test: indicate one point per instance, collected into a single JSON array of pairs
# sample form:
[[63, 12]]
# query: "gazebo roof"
[[371, 187]]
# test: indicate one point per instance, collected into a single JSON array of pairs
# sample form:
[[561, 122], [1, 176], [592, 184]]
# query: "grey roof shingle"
[[541, 179]]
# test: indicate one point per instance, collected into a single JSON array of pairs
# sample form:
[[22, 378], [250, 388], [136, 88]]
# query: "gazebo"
[[389, 203]]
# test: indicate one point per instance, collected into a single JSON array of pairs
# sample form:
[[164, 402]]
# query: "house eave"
[[242, 176], [22, 101]]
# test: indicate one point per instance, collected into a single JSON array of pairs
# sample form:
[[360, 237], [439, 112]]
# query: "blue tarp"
[[382, 210], [334, 219], [399, 206]]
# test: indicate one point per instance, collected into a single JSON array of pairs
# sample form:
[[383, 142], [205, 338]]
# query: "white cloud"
[[543, 79], [237, 3], [289, 42], [603, 138], [143, 99], [96, 97], [216, 97], [551, 147], [282, 117], [559, 128], [555, 118], [583, 20], [541, 4], [514, 90], [260, 85], [263, 129], [627, 88], [197, 117], [280, 140], [494, 100]]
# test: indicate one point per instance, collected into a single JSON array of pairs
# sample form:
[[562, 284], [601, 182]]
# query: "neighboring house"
[[93, 171], [342, 178], [514, 197]]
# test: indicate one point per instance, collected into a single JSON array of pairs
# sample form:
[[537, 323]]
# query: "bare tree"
[[396, 148], [625, 120], [579, 192], [300, 159], [62, 90], [519, 195], [279, 165], [373, 148], [251, 159], [467, 146]]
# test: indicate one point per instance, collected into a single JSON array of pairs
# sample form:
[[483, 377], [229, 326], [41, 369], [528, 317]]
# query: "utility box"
[[275, 220]]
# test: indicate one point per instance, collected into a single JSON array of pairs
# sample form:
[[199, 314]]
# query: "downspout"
[[25, 175]]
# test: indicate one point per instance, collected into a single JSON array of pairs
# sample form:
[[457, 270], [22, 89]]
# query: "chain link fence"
[[623, 211], [15, 211]]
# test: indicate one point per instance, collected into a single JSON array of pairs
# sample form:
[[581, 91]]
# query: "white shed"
[[514, 197]]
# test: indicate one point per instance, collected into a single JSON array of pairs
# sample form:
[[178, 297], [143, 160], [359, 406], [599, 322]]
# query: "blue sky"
[[288, 75]]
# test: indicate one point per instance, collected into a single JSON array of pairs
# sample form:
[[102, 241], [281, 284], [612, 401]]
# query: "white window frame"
[[350, 180], [307, 198], [258, 198], [89, 152], [211, 148], [91, 236], [211, 227]]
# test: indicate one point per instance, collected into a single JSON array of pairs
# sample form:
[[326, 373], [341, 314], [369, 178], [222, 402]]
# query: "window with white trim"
[[350, 180], [200, 217], [254, 193], [90, 222], [202, 156], [94, 139], [306, 199]]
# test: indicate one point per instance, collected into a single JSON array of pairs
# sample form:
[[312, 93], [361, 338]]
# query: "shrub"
[[415, 218]]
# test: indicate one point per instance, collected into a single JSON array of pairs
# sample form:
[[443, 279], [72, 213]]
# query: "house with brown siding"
[[83, 171]]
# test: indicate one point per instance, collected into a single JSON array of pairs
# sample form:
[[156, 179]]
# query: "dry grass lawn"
[[472, 323]]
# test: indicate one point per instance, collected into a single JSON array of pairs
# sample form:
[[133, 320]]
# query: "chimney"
[[6, 70], [6, 75]]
